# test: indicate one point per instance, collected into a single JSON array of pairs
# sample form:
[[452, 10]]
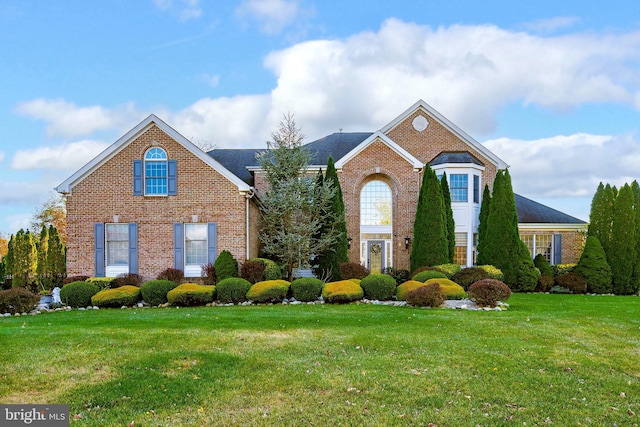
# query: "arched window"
[[155, 172], [375, 203]]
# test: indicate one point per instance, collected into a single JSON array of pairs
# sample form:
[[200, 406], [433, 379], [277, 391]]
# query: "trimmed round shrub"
[[448, 269], [191, 294], [399, 274], [253, 271], [406, 287], [425, 275], [342, 291], [226, 265], [493, 272], [154, 292], [78, 294], [449, 288], [572, 281], [306, 289], [70, 279], [426, 296], [544, 283], [272, 270], [356, 280], [172, 274], [559, 269], [467, 276], [378, 287], [17, 300], [128, 279], [124, 295], [487, 292], [233, 290], [268, 291], [103, 282], [541, 262], [353, 270]]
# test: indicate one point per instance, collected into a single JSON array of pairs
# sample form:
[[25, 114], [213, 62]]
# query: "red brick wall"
[[108, 191]]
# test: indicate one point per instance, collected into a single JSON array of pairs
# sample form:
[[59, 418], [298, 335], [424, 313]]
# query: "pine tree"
[[601, 216], [482, 227], [25, 260], [56, 258], [622, 254], [451, 225], [635, 188], [42, 271], [430, 243], [8, 258], [594, 268], [334, 222]]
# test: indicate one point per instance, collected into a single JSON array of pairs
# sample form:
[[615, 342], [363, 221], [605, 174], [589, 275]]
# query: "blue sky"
[[552, 87]]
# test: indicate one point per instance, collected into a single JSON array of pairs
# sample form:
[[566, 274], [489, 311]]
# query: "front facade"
[[153, 200]]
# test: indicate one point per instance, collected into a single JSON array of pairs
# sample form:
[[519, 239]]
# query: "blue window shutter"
[[137, 178], [172, 177], [98, 233], [178, 246], [212, 239], [557, 249], [133, 247]]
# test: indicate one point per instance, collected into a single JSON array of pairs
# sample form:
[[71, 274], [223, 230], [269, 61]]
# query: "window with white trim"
[[117, 249], [155, 172], [375, 203], [195, 245], [458, 187], [539, 244]]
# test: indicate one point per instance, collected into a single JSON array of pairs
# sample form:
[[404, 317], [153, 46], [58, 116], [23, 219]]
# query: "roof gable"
[[126, 139], [379, 136]]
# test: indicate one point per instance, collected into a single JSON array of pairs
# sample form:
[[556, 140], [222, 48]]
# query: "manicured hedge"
[[233, 290], [342, 291], [154, 292], [306, 289], [488, 292], [103, 282], [191, 294], [272, 270], [494, 272], [406, 287], [17, 300], [127, 295], [268, 291], [78, 294], [449, 288], [425, 275], [378, 286], [426, 296], [467, 276]]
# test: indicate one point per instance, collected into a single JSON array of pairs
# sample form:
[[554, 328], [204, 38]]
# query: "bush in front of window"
[[233, 290], [226, 265], [306, 289], [189, 294], [353, 270], [469, 275], [253, 271], [70, 279], [380, 287], [559, 269], [449, 288], [572, 281], [17, 300], [128, 279], [593, 266], [102, 282], [493, 272], [78, 294], [426, 296], [541, 262], [406, 287], [448, 269], [272, 270], [154, 292], [343, 291], [172, 274], [209, 276], [269, 291], [127, 295], [487, 292], [401, 275], [425, 275]]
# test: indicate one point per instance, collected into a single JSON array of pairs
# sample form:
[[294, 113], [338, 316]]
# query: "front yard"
[[561, 359]]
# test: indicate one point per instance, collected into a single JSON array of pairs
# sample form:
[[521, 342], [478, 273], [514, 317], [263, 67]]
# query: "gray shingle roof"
[[455, 157], [530, 212], [237, 160]]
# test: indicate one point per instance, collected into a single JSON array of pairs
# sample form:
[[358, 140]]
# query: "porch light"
[[349, 239], [407, 240]]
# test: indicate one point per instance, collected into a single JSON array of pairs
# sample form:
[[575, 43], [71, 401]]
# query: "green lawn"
[[563, 359]]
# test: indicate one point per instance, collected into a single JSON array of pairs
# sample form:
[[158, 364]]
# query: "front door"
[[375, 255]]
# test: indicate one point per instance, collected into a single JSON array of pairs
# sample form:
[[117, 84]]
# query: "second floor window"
[[155, 172], [459, 187]]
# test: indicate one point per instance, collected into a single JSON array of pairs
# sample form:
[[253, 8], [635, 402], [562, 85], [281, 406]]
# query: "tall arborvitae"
[[601, 215], [330, 260], [42, 272], [482, 226], [594, 268], [430, 243], [622, 254], [451, 225], [25, 260], [635, 188], [8, 258], [56, 258]]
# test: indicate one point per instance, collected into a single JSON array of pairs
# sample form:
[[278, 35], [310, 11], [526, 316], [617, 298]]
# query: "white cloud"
[[272, 15], [551, 25], [185, 9], [66, 119], [70, 156]]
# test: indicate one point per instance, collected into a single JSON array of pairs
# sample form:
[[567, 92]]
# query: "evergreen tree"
[[622, 254], [601, 216], [606, 238], [8, 258], [635, 188], [451, 225], [335, 222], [594, 268], [56, 258], [25, 260], [541, 263], [482, 227], [430, 243], [42, 271], [2, 273], [226, 266]]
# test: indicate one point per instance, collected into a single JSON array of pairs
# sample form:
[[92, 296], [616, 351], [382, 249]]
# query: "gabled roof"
[[237, 161], [530, 212], [417, 164], [336, 145], [429, 110], [134, 133], [455, 157]]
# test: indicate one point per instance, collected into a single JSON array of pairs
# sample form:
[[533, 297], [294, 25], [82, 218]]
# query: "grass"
[[561, 359]]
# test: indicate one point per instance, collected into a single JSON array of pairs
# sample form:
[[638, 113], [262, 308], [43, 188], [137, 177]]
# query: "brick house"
[[154, 200]]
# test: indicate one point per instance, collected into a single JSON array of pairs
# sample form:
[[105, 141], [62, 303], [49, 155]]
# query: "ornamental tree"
[[594, 268]]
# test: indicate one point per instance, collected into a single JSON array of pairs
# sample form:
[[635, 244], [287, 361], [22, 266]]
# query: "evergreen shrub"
[[128, 279], [448, 269], [188, 294], [272, 270], [172, 274], [102, 282], [399, 274], [343, 291], [559, 269], [253, 271], [467, 276], [306, 289], [154, 292], [449, 288], [493, 271], [426, 296], [355, 281], [269, 291], [233, 290], [572, 281], [487, 292], [425, 275], [77, 279], [226, 265], [78, 294], [406, 287], [541, 262], [593, 266], [17, 300], [378, 287], [353, 270], [127, 295], [544, 283]]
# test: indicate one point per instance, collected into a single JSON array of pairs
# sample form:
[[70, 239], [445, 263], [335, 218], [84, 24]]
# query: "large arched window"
[[155, 172], [375, 203]]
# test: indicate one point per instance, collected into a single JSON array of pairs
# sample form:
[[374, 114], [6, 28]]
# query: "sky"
[[552, 87]]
